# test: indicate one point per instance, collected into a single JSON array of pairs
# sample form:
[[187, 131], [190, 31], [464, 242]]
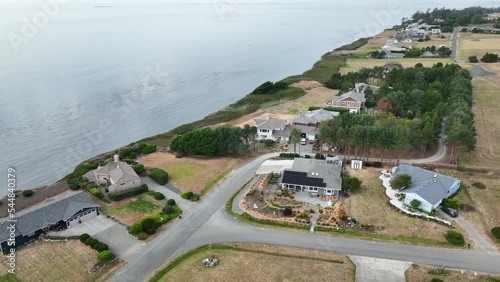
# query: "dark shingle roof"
[[301, 178], [47, 213]]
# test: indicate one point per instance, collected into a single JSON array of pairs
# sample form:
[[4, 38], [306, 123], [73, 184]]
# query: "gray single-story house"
[[321, 177], [119, 175], [53, 214], [428, 187]]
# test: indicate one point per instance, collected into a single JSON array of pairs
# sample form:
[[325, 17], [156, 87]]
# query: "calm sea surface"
[[81, 78]]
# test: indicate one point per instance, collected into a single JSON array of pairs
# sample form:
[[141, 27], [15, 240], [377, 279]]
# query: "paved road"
[[454, 44], [209, 223]]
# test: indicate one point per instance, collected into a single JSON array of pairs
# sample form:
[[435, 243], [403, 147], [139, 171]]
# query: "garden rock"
[[210, 262]]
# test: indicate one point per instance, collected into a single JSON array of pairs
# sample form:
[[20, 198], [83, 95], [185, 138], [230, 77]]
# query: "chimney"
[[116, 158]]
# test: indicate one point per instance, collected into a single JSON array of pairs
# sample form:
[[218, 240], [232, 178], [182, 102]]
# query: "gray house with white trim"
[[321, 177], [428, 187], [119, 175], [53, 214]]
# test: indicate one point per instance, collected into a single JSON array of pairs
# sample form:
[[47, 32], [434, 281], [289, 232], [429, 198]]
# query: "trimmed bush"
[[415, 203], [496, 232], [401, 181], [168, 209], [157, 195], [289, 155], [186, 195], [27, 193], [451, 203], [106, 256], [96, 192], [454, 238], [319, 156], [150, 224], [159, 175], [135, 228], [195, 198], [171, 202], [100, 247], [142, 236], [138, 168], [84, 237], [117, 196]]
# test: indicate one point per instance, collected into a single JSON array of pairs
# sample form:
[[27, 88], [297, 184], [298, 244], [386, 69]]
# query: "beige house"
[[119, 175]]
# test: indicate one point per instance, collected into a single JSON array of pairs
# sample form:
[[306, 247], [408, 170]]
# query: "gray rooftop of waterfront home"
[[47, 213], [316, 116], [118, 171], [429, 185], [270, 123], [315, 170], [360, 97]]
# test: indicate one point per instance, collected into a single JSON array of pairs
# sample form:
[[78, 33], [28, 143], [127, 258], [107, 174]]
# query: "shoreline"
[[211, 119]]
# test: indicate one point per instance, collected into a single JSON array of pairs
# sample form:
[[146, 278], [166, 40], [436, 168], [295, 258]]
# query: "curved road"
[[209, 223]]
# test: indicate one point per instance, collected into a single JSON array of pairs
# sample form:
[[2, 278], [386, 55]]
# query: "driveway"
[[107, 231]]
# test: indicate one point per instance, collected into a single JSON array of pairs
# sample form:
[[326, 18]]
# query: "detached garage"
[[54, 214]]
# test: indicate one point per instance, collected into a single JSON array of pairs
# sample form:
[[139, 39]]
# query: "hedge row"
[[117, 196], [454, 238], [93, 243], [159, 175], [157, 195]]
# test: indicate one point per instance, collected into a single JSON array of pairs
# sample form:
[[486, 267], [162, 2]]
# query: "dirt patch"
[[371, 206], [316, 95], [273, 264], [418, 273], [58, 261], [189, 173]]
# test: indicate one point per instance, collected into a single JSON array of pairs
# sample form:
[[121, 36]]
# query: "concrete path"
[[479, 71], [375, 269], [184, 204], [237, 209], [107, 231]]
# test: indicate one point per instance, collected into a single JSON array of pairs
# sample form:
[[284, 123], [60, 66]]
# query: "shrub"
[[90, 241], [84, 237], [454, 238], [150, 224], [27, 193], [187, 195], [168, 209], [479, 185], [147, 149], [100, 247], [117, 196], [287, 212], [415, 203], [96, 192], [106, 256], [138, 168], [319, 156], [351, 183], [135, 228], [451, 203], [401, 181], [171, 202], [377, 164], [496, 232], [157, 195], [142, 236], [128, 153], [473, 59], [195, 198], [490, 58], [289, 155], [159, 175], [307, 156], [313, 108]]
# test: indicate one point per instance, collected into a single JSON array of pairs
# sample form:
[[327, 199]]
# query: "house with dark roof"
[[118, 175], [314, 118], [271, 129], [353, 100], [321, 177], [53, 214], [428, 187]]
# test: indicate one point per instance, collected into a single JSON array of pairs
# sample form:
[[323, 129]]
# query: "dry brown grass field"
[[370, 206], [473, 44], [189, 173], [58, 261], [253, 262], [354, 65], [420, 273]]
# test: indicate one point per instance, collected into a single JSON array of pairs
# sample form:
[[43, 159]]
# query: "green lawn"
[[184, 173], [142, 205]]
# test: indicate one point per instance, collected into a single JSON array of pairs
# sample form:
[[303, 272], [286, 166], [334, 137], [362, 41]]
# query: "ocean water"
[[79, 78]]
